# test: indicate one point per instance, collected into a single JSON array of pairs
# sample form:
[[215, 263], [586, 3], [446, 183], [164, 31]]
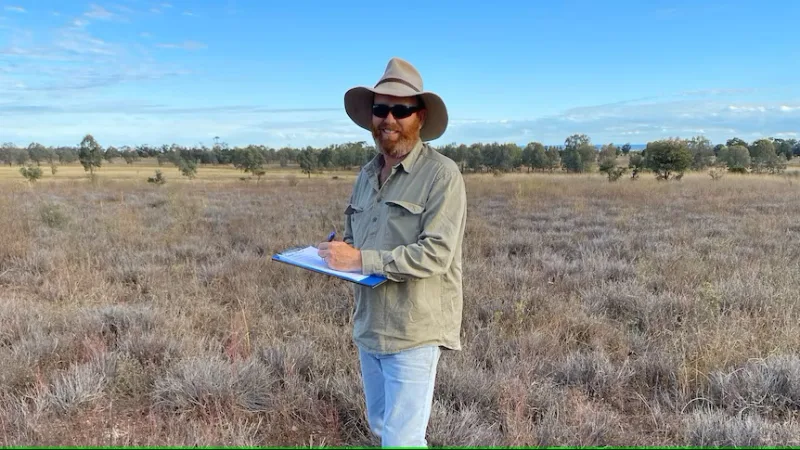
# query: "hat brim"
[[358, 105]]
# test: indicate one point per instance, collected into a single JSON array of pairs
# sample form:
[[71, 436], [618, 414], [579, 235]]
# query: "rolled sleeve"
[[371, 262]]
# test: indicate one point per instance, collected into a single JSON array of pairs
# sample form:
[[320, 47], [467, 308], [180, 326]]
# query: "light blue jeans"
[[399, 393]]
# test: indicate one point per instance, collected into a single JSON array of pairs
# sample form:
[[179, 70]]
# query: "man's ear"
[[422, 116]]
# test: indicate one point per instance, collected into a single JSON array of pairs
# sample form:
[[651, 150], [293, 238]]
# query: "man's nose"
[[390, 118]]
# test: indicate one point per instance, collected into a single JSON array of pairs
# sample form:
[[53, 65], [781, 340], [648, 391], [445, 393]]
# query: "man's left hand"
[[340, 256]]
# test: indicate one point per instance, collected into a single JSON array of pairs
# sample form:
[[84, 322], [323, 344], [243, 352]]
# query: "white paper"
[[308, 257]]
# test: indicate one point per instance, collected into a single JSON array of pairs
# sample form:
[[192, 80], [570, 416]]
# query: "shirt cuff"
[[371, 263]]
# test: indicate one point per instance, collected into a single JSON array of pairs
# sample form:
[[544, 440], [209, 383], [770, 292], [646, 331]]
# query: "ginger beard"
[[402, 137]]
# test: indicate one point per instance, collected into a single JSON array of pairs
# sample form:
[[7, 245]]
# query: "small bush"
[[31, 173], [716, 173], [158, 179], [52, 216]]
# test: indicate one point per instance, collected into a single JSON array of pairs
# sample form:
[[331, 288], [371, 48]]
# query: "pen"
[[331, 236]]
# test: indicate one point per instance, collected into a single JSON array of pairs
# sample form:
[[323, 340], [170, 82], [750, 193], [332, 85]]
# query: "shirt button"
[[374, 219], [378, 200]]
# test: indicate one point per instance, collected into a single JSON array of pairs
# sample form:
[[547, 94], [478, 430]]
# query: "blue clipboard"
[[306, 258]]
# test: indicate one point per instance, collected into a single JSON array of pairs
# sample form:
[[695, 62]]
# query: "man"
[[405, 220]]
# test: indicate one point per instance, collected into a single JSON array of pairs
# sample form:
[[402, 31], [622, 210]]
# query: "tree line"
[[667, 158]]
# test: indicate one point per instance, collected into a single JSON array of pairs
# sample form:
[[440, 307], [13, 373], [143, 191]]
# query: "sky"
[[274, 73]]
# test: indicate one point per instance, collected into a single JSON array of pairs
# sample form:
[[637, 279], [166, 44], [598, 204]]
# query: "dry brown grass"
[[596, 313]]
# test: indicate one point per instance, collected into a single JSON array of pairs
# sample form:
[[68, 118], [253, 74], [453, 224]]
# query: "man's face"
[[395, 136]]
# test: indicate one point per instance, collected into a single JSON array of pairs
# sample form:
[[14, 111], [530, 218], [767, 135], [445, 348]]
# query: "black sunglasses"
[[398, 111]]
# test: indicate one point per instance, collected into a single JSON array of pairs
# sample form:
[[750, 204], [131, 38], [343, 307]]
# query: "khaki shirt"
[[409, 230]]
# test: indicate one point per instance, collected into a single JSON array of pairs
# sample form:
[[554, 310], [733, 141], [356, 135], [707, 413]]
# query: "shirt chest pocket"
[[357, 223], [403, 222]]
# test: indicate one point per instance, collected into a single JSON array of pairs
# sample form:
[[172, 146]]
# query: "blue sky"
[[274, 73]]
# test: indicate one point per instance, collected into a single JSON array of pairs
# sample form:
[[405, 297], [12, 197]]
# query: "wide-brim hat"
[[400, 79]]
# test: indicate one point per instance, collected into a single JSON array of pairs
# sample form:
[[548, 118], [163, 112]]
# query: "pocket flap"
[[353, 209], [413, 208]]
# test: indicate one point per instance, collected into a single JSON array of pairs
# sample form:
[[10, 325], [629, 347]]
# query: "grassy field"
[[141, 170], [596, 313]]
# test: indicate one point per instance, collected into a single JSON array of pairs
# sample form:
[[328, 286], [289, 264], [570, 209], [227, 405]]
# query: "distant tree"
[[553, 158], [736, 141], [20, 156], [579, 153], [251, 160], [90, 154], [111, 153], [636, 164], [66, 155], [130, 156], [308, 161], [7, 153], [737, 158], [38, 153], [474, 157], [534, 156], [667, 158], [325, 157], [762, 155], [702, 152], [784, 147], [188, 167], [576, 140], [626, 148]]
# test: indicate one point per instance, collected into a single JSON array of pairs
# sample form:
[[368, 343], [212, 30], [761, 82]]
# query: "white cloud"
[[16, 9], [80, 23], [188, 13], [785, 108], [166, 5], [145, 34], [98, 12], [185, 45], [155, 10]]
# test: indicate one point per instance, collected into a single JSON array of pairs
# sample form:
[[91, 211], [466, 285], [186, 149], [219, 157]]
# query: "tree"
[[534, 156], [250, 160], [737, 158], [736, 141], [702, 152], [308, 161], [188, 167], [636, 164], [7, 153], [130, 156], [38, 153], [579, 153], [111, 153], [553, 158], [667, 158], [90, 154], [784, 147], [762, 155], [626, 148]]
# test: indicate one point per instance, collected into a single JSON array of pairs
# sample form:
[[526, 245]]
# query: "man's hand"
[[340, 256]]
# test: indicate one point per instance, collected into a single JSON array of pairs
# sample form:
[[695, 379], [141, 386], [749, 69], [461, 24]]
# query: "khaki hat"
[[400, 79]]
